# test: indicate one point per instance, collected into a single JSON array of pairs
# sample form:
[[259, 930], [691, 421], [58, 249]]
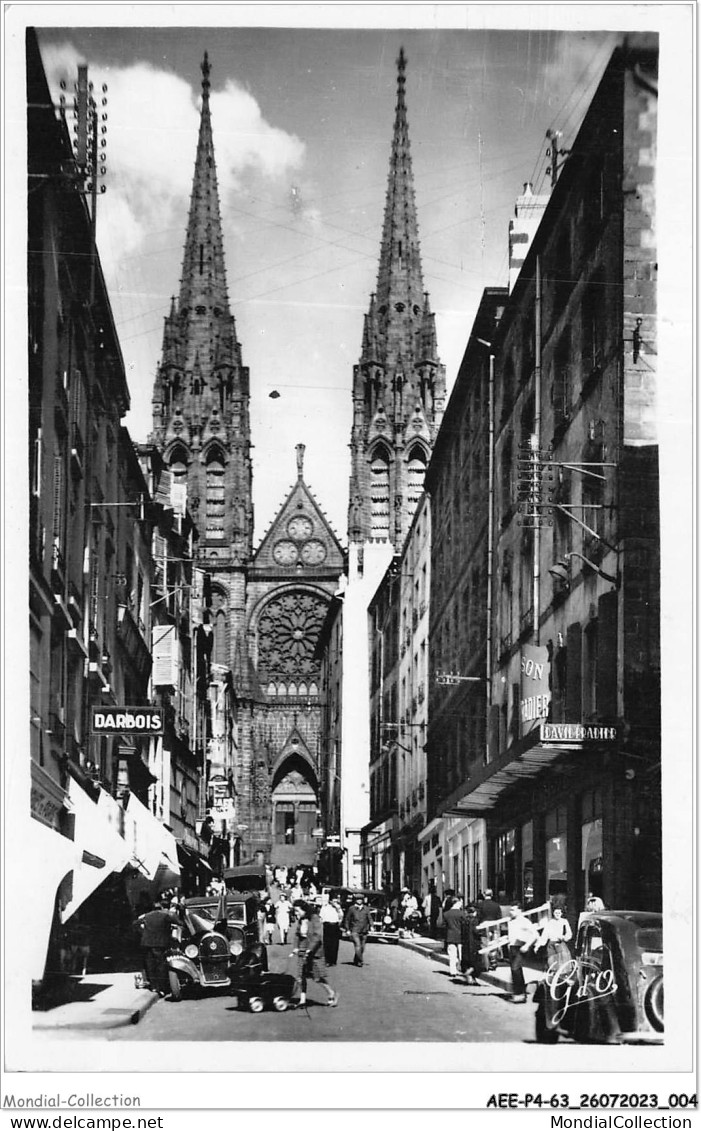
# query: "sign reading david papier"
[[126, 720], [577, 732]]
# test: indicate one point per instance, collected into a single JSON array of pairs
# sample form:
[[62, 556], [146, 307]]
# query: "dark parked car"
[[612, 991], [241, 916], [383, 929], [246, 877]]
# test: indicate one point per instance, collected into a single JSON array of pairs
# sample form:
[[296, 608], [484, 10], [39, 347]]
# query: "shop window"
[[527, 890], [505, 866], [592, 867], [556, 856]]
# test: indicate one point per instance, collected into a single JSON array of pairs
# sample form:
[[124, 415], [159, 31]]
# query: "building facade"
[[570, 786], [460, 482], [92, 838]]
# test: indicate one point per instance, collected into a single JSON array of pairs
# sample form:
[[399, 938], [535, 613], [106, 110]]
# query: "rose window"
[[287, 634]]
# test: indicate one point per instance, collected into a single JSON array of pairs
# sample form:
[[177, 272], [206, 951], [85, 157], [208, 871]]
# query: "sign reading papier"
[[126, 720], [535, 687]]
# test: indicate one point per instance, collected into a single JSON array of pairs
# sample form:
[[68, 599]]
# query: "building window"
[[562, 393], [593, 326], [506, 480], [589, 673]]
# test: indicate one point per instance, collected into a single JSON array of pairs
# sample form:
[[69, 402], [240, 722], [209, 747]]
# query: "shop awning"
[[522, 762], [153, 850], [191, 860], [99, 847], [46, 859]]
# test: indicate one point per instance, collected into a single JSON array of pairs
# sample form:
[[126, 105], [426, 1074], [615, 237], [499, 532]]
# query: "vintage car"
[[212, 953], [383, 929], [241, 915], [612, 990], [246, 877]]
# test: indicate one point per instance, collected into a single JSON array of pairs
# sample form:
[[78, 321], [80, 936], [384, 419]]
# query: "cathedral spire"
[[203, 292], [399, 383], [399, 280], [201, 397]]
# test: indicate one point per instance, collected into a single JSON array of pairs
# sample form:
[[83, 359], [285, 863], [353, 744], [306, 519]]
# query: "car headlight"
[[652, 958], [191, 951], [235, 947], [387, 920]]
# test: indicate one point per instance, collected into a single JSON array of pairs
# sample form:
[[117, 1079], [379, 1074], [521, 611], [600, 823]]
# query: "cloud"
[[151, 130]]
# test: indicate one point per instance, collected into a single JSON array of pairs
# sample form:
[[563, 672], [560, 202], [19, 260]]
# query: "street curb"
[[130, 1016]]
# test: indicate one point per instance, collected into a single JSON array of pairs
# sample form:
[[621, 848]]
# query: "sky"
[[302, 121]]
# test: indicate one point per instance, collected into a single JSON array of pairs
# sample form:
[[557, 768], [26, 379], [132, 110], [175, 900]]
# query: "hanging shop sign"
[[126, 720], [577, 732], [535, 687]]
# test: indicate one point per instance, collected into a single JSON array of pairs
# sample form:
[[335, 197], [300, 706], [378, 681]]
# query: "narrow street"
[[397, 996]]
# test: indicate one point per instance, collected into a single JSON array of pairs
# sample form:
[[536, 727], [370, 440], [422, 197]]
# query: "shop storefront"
[[559, 810]]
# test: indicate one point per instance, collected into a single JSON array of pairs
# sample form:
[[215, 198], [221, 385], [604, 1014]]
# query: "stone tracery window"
[[288, 630]]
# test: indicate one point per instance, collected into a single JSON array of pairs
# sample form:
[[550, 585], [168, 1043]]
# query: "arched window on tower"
[[220, 650], [416, 470], [379, 493], [178, 464], [214, 525]]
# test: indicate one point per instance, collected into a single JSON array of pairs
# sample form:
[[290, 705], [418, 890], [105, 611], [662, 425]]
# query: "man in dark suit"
[[487, 911], [156, 929], [358, 926]]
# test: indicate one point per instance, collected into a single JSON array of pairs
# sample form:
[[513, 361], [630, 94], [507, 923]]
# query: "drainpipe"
[[536, 445], [490, 534]]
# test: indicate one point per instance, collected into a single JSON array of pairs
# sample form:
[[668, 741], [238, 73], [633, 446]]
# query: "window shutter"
[[607, 658], [165, 656], [573, 710]]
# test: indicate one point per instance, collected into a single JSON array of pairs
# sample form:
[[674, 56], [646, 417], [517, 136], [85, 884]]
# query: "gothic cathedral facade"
[[266, 605]]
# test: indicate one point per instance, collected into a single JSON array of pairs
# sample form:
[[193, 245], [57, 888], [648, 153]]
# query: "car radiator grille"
[[214, 969]]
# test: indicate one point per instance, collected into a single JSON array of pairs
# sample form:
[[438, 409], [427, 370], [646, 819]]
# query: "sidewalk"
[[501, 977], [96, 1001]]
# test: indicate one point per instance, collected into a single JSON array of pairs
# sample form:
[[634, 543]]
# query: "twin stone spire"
[[201, 391]]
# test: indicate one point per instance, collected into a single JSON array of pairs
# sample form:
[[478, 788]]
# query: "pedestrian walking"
[[488, 910], [554, 936], [455, 921], [308, 950], [471, 964], [358, 926], [156, 930], [522, 936], [270, 921], [433, 908], [282, 917], [331, 923]]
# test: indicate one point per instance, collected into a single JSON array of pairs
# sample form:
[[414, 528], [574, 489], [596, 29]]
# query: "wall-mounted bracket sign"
[[577, 732], [126, 720]]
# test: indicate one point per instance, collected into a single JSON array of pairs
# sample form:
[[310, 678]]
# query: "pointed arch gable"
[[293, 760]]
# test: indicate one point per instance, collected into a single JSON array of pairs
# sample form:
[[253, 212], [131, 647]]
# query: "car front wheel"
[[176, 989]]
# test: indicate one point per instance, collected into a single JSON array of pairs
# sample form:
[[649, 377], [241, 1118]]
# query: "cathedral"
[[266, 605]]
